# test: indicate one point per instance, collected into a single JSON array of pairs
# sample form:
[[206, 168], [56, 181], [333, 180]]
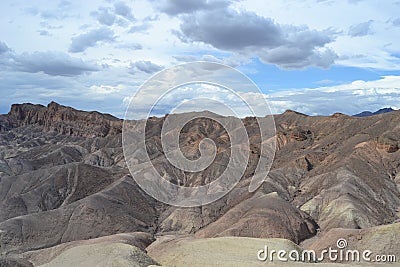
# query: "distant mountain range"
[[369, 113]]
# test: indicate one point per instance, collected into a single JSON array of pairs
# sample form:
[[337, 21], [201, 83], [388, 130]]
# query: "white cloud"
[[107, 89], [198, 97], [349, 98], [361, 29], [326, 81]]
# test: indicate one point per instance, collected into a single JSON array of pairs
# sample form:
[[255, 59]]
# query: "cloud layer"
[[246, 32], [50, 62], [350, 98], [110, 47]]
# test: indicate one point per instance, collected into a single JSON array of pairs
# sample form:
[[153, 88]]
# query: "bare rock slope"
[[63, 178]]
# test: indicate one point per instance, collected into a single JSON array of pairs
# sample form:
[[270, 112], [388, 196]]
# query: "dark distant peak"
[[383, 110], [369, 113], [292, 112], [364, 114]]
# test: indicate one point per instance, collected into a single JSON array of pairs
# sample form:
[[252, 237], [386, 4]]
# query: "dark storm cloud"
[[81, 42], [301, 50], [175, 7], [296, 58], [361, 29], [246, 32], [145, 66], [50, 62], [122, 9], [229, 30]]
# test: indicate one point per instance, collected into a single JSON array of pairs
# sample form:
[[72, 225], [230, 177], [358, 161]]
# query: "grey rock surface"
[[63, 178]]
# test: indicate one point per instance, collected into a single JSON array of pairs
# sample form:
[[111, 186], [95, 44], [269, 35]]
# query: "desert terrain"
[[67, 197]]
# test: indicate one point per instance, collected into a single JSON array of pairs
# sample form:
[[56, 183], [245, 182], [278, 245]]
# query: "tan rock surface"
[[380, 240], [42, 256], [227, 251], [102, 255]]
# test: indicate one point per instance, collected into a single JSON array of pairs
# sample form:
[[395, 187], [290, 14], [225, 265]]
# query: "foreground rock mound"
[[230, 251], [381, 240], [261, 216], [102, 255], [138, 240], [222, 251]]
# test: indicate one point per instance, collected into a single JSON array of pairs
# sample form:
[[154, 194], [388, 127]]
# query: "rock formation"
[[63, 179]]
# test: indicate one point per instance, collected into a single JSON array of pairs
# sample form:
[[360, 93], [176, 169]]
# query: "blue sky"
[[313, 56]]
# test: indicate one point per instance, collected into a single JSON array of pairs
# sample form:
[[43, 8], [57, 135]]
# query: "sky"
[[313, 56]]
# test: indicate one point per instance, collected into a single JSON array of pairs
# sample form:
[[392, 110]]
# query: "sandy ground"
[[226, 251]]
